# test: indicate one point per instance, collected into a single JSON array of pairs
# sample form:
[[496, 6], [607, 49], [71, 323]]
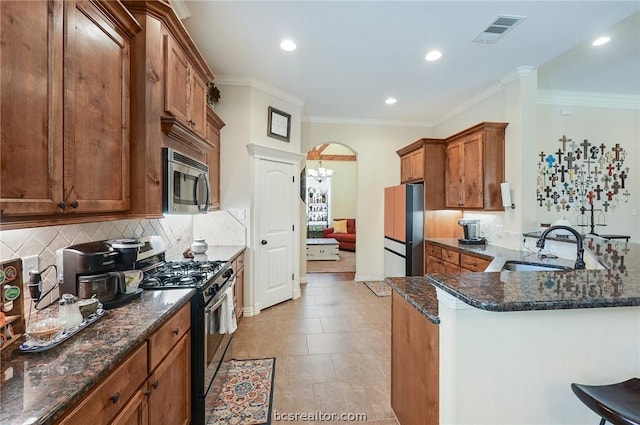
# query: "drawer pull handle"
[[155, 385], [147, 393], [176, 331], [74, 204], [115, 398]]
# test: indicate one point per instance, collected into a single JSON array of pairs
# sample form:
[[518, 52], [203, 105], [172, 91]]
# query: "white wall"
[[244, 108], [378, 167], [606, 125]]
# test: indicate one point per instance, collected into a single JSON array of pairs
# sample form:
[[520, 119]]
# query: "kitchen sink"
[[523, 266]]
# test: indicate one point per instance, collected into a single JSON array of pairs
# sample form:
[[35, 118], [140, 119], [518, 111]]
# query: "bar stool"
[[617, 403]]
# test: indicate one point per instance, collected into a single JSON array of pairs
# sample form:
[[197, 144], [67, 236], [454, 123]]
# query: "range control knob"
[[227, 273]]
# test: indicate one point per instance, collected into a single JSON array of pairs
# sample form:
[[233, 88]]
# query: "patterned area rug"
[[346, 264], [246, 397], [381, 289]]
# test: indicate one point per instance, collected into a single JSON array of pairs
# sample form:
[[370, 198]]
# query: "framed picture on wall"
[[279, 124]]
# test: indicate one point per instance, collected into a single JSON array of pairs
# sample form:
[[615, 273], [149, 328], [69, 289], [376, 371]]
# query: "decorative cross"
[[606, 204], [540, 198], [541, 156], [572, 173], [571, 193], [548, 205], [585, 146], [547, 190], [590, 195], [578, 152], [541, 181], [569, 158], [595, 173], [559, 153], [588, 162], [568, 207], [622, 177], [594, 152], [555, 197], [606, 180], [564, 141], [562, 170], [610, 168], [617, 149], [550, 160], [573, 146], [563, 203], [597, 190], [626, 195], [609, 156], [602, 161], [566, 186], [554, 179], [615, 186], [610, 195], [602, 147]]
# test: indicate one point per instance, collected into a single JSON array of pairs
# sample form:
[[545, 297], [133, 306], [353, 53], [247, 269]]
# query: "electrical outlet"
[[29, 263]]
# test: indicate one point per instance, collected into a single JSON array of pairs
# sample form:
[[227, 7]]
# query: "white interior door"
[[275, 218]]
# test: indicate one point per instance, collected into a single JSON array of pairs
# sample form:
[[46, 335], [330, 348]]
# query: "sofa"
[[346, 241]]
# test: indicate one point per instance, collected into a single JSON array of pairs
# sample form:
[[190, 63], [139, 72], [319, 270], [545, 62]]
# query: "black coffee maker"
[[95, 268]]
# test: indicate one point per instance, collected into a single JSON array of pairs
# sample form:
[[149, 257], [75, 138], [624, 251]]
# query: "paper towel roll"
[[506, 195]]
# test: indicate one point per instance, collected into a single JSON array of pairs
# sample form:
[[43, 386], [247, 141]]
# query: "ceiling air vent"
[[497, 28]]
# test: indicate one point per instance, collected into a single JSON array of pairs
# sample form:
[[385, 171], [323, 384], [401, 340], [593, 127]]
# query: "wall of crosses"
[[581, 176]]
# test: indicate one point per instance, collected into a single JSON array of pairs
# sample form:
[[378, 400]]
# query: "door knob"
[[263, 242]]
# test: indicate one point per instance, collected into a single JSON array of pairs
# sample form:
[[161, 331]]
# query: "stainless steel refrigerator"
[[404, 230]]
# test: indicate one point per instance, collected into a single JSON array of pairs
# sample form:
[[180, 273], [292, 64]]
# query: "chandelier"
[[321, 174]]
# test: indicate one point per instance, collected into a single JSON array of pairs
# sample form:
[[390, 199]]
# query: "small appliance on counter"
[[471, 230], [96, 268]]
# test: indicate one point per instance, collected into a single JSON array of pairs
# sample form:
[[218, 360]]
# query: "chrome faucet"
[[580, 247]]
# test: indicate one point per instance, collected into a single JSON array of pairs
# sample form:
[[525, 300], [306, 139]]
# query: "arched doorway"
[[331, 188]]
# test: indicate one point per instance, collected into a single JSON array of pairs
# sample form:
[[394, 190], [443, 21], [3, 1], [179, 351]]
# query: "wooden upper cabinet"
[[475, 167], [32, 103], [72, 156], [185, 89], [412, 166], [212, 154]]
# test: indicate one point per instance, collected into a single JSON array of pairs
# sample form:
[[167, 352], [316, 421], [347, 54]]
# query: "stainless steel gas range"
[[210, 279]]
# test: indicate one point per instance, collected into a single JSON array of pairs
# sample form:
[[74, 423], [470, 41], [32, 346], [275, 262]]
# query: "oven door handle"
[[218, 303]]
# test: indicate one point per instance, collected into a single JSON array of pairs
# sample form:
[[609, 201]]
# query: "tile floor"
[[332, 350]]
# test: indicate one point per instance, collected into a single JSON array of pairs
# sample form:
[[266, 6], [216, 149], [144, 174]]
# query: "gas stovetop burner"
[[182, 274]]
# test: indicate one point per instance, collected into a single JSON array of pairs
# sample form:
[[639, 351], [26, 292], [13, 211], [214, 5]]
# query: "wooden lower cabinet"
[[170, 386], [445, 260], [135, 393], [414, 365], [238, 290]]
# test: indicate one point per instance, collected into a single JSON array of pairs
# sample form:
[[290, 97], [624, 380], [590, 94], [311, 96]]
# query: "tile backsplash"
[[220, 228]]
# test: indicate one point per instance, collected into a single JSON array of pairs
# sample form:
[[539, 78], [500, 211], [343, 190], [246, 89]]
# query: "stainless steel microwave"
[[185, 184]]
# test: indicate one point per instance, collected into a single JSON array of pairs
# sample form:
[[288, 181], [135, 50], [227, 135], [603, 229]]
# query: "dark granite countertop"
[[37, 388], [495, 290]]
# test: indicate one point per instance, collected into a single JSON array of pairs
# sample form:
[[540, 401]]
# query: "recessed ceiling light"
[[288, 45], [433, 55], [391, 101], [600, 41]]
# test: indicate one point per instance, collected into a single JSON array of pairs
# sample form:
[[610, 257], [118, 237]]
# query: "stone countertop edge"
[[37, 388], [418, 292]]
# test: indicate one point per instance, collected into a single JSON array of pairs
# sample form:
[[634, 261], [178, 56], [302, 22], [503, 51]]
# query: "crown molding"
[[181, 9], [236, 80], [266, 152], [362, 121], [588, 99]]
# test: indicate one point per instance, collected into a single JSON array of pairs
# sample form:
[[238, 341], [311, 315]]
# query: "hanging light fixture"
[[321, 174]]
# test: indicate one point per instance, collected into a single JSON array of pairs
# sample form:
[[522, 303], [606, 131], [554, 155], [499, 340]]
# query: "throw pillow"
[[340, 226]]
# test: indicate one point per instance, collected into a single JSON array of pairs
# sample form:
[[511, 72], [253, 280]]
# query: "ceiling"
[[351, 56]]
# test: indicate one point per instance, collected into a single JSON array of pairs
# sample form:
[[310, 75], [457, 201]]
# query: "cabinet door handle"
[[176, 331], [62, 205], [147, 393], [115, 398], [74, 204], [155, 385]]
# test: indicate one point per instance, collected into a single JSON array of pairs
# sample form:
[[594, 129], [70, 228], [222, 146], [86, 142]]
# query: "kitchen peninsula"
[[503, 347]]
